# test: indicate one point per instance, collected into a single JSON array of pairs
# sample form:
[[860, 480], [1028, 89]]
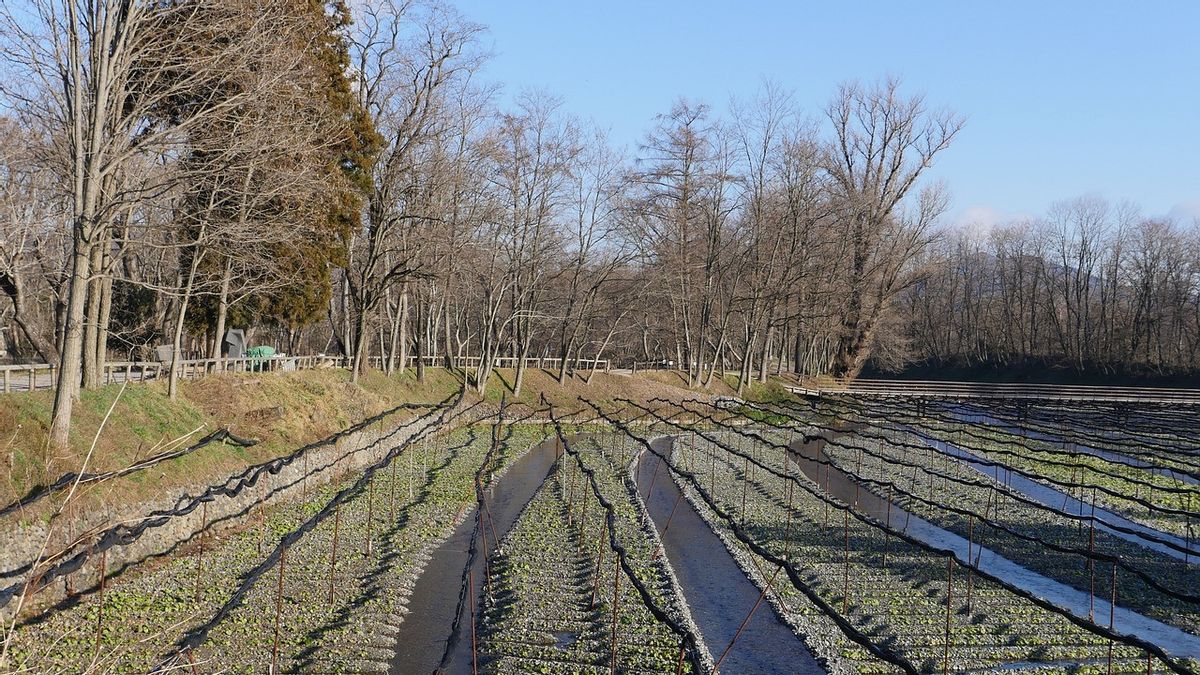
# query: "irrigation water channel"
[[1107, 520], [433, 606], [970, 416], [718, 593], [809, 457]]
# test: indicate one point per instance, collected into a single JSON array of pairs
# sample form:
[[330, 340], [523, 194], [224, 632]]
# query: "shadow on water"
[[718, 593], [423, 635]]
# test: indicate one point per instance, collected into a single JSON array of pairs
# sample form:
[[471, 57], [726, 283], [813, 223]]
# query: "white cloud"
[[1186, 211], [979, 216]]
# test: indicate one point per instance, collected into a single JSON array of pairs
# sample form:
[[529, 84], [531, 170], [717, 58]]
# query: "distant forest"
[[348, 182]]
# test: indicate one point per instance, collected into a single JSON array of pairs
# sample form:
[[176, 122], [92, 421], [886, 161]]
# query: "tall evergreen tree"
[[351, 156]]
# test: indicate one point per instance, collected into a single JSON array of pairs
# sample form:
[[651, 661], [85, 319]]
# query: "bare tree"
[[29, 217], [883, 142], [403, 76], [100, 70]]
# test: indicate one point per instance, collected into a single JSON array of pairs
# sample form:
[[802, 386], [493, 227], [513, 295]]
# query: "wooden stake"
[[615, 605], [337, 521], [100, 601], [745, 481], [471, 600], [370, 515], [200, 555], [392, 497], [949, 603], [846, 560], [278, 611]]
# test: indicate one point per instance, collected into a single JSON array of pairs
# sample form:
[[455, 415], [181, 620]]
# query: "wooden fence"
[[1004, 390], [35, 376]]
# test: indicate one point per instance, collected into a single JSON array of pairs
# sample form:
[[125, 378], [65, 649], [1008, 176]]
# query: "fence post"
[[6, 386], [32, 379]]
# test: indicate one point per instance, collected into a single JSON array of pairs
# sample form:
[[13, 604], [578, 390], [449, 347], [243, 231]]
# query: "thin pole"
[[200, 555], [370, 514], [653, 477], [471, 600], [670, 517], [278, 610], [1112, 607], [599, 561], [337, 521], [745, 481], [970, 542], [100, 600], [761, 595], [712, 454], [615, 604], [949, 602], [392, 497], [787, 532], [846, 561]]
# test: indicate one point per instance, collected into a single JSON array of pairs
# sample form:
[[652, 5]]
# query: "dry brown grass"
[[282, 410]]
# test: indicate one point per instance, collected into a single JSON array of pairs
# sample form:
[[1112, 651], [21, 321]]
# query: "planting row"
[[327, 603], [897, 593], [1126, 484], [560, 598], [1146, 486], [975, 505]]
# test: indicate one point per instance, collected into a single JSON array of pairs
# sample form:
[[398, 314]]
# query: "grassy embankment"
[[281, 410]]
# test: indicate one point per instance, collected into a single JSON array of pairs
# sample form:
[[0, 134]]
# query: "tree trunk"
[[102, 324], [449, 351], [177, 337], [765, 356], [222, 310], [360, 347], [91, 325], [519, 378], [565, 355], [347, 336], [400, 332], [419, 342], [71, 366]]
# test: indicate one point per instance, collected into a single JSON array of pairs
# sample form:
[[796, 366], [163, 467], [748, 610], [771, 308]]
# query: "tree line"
[[1091, 286], [339, 181]]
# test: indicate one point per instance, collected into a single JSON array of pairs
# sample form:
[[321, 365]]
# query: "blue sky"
[[1062, 98]]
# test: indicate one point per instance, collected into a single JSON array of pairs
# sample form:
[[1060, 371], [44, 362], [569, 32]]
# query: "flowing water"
[[718, 593], [433, 606]]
